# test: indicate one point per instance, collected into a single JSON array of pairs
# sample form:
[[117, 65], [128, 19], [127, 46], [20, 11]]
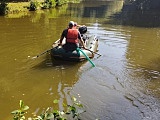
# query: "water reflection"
[[142, 58], [64, 76], [124, 85], [97, 9], [142, 13]]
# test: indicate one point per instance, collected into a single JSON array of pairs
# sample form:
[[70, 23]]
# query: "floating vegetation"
[[73, 111]]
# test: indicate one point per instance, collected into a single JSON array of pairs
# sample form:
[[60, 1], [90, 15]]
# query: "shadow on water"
[[141, 13], [57, 78], [48, 62]]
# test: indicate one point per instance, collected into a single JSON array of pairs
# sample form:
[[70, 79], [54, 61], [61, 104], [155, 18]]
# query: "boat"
[[58, 53]]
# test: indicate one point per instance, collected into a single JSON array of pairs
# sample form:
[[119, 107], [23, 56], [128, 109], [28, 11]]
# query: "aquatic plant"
[[20, 113], [73, 111]]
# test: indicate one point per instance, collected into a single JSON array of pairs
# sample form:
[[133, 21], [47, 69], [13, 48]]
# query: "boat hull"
[[59, 53]]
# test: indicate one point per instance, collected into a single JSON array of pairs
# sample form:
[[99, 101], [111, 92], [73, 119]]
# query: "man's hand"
[[60, 44], [84, 47]]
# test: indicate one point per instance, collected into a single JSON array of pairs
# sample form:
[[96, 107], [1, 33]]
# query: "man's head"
[[71, 24], [75, 24]]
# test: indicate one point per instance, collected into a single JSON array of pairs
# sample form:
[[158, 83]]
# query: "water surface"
[[124, 85]]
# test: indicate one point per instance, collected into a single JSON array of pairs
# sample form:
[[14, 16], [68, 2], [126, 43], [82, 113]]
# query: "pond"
[[124, 85]]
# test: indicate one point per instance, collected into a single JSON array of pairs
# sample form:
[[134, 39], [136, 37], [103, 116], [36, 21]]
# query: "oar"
[[42, 53], [93, 52], [86, 57], [54, 45]]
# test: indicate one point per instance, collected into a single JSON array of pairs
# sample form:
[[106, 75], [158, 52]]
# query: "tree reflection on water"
[[141, 13]]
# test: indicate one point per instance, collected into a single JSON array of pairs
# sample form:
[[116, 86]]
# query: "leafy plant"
[[19, 114], [74, 110], [33, 5], [60, 2], [48, 4]]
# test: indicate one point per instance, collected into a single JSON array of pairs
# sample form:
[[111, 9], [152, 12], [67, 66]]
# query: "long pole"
[[93, 52], [42, 53]]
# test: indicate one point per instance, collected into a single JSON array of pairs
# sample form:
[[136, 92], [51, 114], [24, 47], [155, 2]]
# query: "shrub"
[[48, 4], [33, 5]]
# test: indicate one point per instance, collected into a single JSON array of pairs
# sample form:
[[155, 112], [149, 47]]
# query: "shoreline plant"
[[46, 4], [32, 5], [70, 111]]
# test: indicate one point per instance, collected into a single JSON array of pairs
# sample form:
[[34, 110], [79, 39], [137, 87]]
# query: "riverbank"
[[18, 7]]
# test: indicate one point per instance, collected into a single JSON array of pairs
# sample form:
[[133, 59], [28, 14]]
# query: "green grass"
[[18, 7]]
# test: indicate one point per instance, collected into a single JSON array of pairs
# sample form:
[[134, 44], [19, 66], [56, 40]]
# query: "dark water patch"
[[141, 13]]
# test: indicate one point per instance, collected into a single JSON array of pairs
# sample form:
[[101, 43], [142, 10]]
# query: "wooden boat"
[[59, 53]]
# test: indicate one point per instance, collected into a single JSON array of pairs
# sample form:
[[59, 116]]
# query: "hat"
[[75, 24], [71, 23]]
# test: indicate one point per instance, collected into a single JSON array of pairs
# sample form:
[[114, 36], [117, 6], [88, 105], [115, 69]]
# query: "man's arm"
[[81, 40], [62, 37], [60, 41]]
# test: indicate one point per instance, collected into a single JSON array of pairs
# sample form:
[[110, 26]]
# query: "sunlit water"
[[124, 85]]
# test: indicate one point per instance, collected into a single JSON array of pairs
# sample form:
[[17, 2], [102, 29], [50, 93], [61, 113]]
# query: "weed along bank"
[[16, 6]]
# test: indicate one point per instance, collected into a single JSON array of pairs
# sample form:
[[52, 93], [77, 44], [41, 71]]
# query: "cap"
[[75, 24], [71, 23]]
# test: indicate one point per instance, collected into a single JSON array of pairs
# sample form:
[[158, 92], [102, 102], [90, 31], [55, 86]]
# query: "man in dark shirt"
[[72, 36]]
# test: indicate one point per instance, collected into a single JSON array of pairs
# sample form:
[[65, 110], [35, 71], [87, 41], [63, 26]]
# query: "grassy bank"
[[18, 7]]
